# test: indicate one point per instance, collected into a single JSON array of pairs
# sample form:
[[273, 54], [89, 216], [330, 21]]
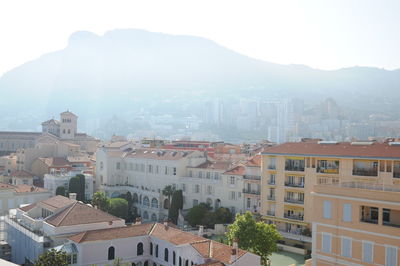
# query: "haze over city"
[[210, 133]]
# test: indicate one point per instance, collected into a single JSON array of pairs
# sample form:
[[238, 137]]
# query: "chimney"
[[233, 255], [138, 220], [165, 223], [72, 196], [201, 230], [235, 243]]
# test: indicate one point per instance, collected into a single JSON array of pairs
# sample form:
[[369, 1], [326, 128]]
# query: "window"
[[209, 190], [101, 165], [232, 195], [183, 187], [146, 201], [118, 166], [139, 249], [195, 202], [150, 168], [347, 212], [174, 170], [166, 170], [111, 253], [232, 180], [208, 175], [346, 247], [74, 258], [200, 174], [173, 257], [151, 248], [326, 243], [156, 251], [368, 251], [391, 256], [248, 203], [327, 209], [154, 203], [216, 175], [196, 188], [166, 254]]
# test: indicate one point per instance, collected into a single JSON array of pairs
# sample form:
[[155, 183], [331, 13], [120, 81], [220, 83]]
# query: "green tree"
[[168, 191], [51, 258], [100, 200], [223, 216], [60, 191], [197, 214], [176, 205], [77, 185], [257, 237], [118, 207]]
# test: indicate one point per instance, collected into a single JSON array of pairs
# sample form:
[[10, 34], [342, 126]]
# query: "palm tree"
[[168, 191]]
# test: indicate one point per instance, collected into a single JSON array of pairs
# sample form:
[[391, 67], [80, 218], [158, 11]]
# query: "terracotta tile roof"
[[173, 235], [218, 165], [113, 233], [80, 213], [341, 149], [215, 250], [255, 161], [55, 161], [22, 188], [238, 170], [28, 207], [212, 263], [56, 202], [21, 174], [156, 154]]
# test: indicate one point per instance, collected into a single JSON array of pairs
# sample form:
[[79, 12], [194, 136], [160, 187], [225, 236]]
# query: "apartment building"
[[356, 223], [35, 228], [53, 181], [252, 184], [290, 171]]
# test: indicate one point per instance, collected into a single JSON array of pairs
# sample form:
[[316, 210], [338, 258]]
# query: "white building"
[[152, 244], [53, 181], [13, 196], [34, 228]]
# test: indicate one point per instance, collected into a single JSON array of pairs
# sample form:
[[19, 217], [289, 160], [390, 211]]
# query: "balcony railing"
[[271, 182], [293, 184], [328, 170], [271, 213], [251, 191], [252, 177], [295, 168], [396, 174], [365, 172], [295, 236], [297, 201], [369, 220], [270, 197], [298, 217], [272, 166]]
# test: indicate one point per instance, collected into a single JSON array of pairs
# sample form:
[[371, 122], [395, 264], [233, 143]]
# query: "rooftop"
[[55, 161], [218, 165], [21, 173], [238, 170], [336, 149], [22, 188]]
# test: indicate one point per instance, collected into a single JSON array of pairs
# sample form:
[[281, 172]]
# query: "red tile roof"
[[173, 235], [56, 202], [113, 233], [238, 170], [341, 149], [218, 165], [80, 213], [55, 161], [215, 250], [21, 174], [255, 161], [22, 188]]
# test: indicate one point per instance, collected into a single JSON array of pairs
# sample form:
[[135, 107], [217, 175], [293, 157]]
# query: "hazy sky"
[[322, 34]]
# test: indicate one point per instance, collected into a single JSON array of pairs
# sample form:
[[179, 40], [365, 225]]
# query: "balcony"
[[295, 168], [327, 170], [298, 217], [272, 167], [365, 171], [296, 201], [271, 213], [252, 177], [271, 182], [252, 191], [293, 184], [396, 174], [296, 236]]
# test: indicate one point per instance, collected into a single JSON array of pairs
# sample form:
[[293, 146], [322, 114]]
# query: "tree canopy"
[[257, 237], [51, 258], [77, 185], [118, 207], [61, 191], [202, 214], [176, 205], [100, 200]]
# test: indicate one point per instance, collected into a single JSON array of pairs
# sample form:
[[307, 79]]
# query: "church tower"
[[68, 125]]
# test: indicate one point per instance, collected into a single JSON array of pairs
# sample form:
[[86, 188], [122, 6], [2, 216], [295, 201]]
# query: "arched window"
[[146, 263], [187, 263], [135, 198], [69, 131], [209, 202], [64, 130], [154, 217], [156, 251], [139, 249], [151, 248], [166, 254], [145, 215], [111, 253], [154, 203], [180, 261], [146, 201], [173, 257]]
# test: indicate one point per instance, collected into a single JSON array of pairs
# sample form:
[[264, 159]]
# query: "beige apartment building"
[[290, 171], [356, 223]]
